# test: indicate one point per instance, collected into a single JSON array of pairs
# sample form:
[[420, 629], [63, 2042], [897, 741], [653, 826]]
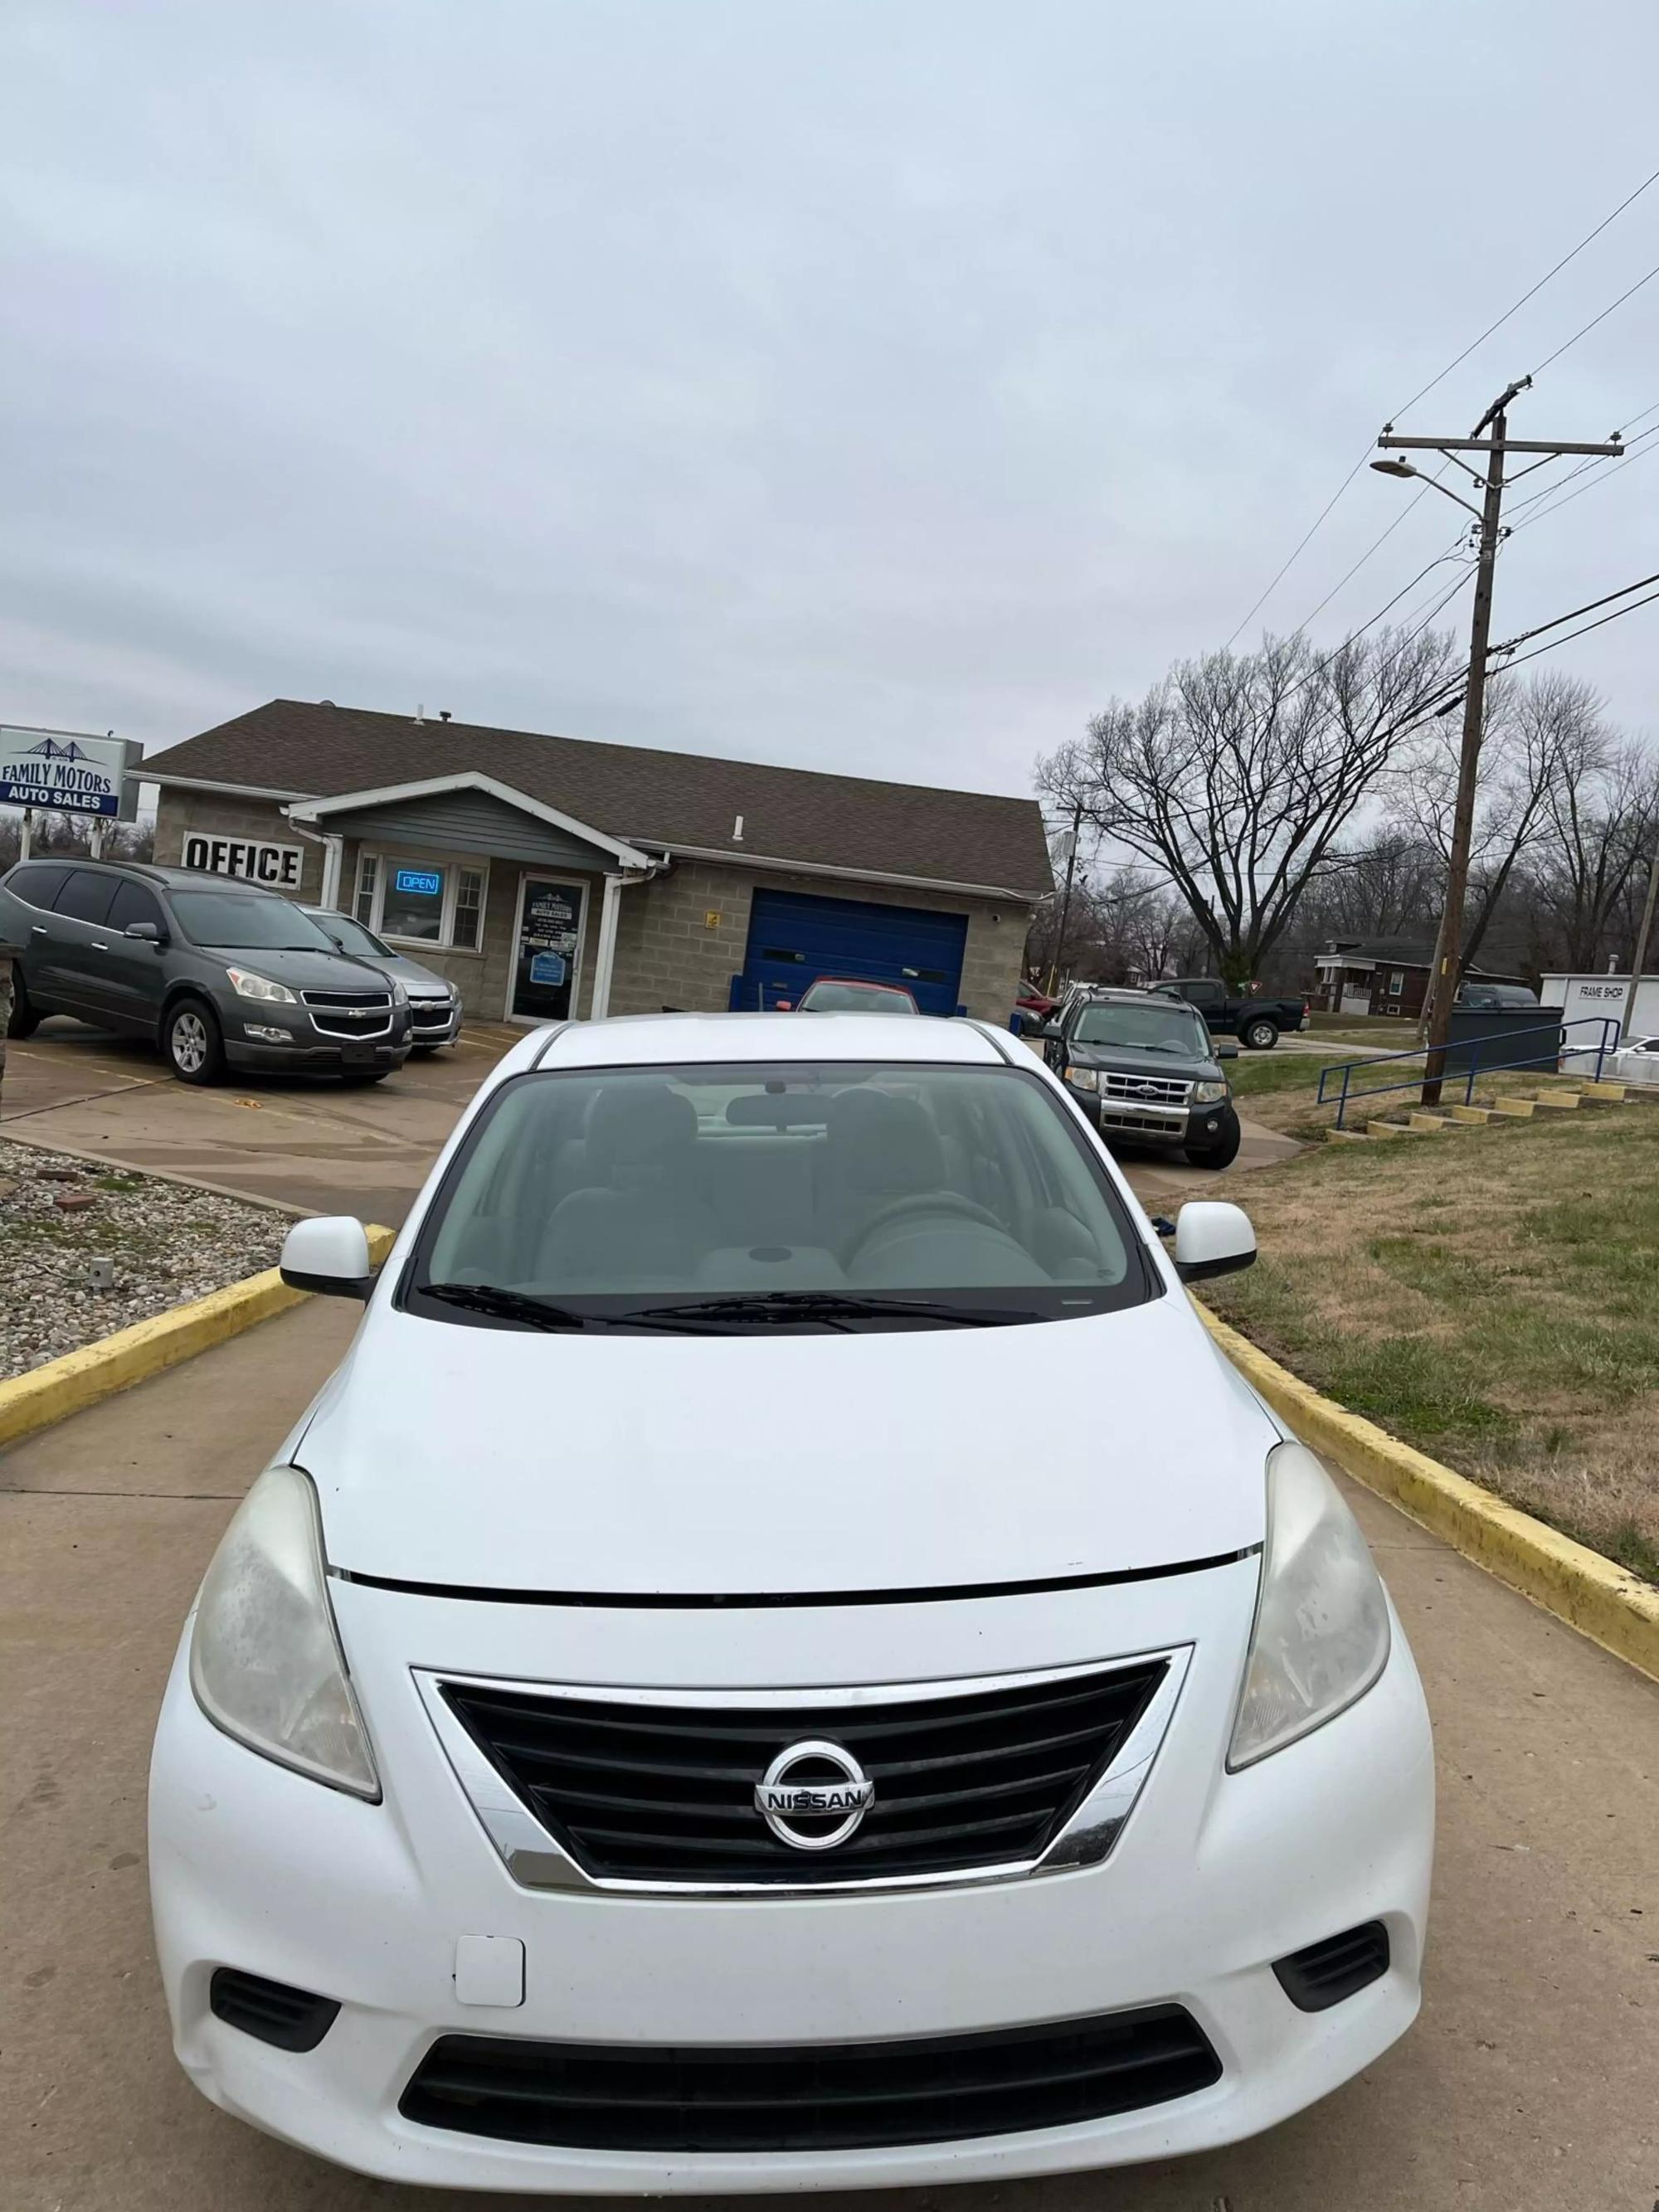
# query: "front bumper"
[[433, 1021], [1213, 1877], [313, 1056]]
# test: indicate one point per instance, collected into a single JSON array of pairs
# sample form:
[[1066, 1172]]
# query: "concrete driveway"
[[318, 1146], [1528, 2085]]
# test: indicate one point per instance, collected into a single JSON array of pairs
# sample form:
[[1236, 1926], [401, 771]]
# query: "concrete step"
[[1603, 1094], [1516, 1109], [1470, 1116], [1387, 1129], [1557, 1101], [1347, 1137], [1430, 1122]]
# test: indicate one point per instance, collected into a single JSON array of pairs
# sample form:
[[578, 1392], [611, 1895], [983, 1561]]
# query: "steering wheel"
[[921, 1201]]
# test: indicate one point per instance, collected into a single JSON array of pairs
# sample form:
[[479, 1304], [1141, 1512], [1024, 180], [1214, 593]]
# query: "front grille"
[[293, 2019], [666, 1793], [431, 1013], [1148, 1090], [349, 1014], [811, 2097], [1340, 1967]]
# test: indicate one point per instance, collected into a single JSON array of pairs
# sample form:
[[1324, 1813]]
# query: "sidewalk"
[[1526, 2087]]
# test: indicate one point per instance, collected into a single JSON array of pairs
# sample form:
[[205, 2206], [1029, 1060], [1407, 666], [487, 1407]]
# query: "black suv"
[[217, 974], [1143, 1067]]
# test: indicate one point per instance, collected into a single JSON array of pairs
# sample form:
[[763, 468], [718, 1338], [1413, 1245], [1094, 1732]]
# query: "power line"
[[1642, 450], [1308, 535], [1302, 542], [1510, 312], [1594, 320], [1571, 634]]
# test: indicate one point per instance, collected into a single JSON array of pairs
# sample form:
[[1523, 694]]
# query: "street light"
[[1404, 468]]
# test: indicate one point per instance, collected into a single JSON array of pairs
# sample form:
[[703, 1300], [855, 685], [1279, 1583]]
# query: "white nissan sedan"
[[666, 1720]]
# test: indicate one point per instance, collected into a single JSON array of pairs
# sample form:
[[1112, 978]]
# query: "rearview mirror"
[[330, 1255], [145, 932], [1212, 1238]]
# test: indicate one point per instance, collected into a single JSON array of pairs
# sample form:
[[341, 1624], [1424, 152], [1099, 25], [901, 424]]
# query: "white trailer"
[[1633, 1001]]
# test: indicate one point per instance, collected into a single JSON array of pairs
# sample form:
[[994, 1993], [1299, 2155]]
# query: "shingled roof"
[[637, 793]]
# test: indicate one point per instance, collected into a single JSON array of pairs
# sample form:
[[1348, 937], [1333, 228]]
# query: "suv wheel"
[[24, 1019], [194, 1045], [1259, 1033]]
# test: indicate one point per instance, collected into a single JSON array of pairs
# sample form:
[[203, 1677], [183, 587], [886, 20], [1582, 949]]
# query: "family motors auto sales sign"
[[54, 768]]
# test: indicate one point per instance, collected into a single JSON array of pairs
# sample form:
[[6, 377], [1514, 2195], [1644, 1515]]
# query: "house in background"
[[551, 877], [1384, 976]]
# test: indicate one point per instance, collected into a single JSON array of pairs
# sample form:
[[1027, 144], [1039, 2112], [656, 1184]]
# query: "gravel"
[[155, 1244]]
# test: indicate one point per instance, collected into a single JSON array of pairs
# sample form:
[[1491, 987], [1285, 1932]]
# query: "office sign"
[[63, 770], [248, 861]]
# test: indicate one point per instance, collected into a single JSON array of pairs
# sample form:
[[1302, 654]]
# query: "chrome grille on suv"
[[644, 1792], [1148, 1090], [349, 1014]]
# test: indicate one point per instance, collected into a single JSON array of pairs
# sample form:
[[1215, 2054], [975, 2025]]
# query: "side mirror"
[[1225, 1049], [330, 1255], [146, 933], [1212, 1238], [1052, 1031]]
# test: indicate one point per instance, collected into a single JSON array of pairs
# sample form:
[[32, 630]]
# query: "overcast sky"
[[877, 385]]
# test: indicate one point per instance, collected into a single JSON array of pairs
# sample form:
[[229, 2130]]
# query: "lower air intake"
[[1340, 1967], [697, 2097], [293, 2020]]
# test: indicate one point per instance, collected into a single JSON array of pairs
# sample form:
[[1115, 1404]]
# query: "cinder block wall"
[[180, 814]]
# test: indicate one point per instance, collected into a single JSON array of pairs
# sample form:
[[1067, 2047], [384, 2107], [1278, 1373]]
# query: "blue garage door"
[[793, 940]]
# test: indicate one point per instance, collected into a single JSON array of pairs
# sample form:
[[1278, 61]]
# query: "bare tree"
[[1602, 818], [1237, 775]]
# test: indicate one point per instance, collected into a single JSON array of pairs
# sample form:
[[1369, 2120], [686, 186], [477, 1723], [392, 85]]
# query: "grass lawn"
[[1392, 1036], [1491, 1297]]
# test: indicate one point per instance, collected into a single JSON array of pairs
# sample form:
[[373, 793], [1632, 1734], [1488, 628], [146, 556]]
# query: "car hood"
[[1129, 1059], [300, 971], [419, 982], [649, 1465]]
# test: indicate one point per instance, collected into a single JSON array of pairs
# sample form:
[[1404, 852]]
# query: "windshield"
[[1167, 1028], [246, 921], [778, 1191], [831, 998], [351, 936]]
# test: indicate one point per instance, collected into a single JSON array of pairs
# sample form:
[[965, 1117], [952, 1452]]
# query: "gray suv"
[[218, 975]]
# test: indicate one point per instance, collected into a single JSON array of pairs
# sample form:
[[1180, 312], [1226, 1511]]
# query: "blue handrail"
[[1560, 1051]]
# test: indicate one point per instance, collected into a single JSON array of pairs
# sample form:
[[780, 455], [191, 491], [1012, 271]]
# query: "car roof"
[[148, 872], [655, 1040], [1121, 994]]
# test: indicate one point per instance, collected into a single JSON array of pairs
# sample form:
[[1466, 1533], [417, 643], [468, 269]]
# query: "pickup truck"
[[1142, 1068], [1255, 1022]]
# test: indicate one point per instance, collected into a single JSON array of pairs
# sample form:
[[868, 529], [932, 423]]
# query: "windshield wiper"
[[506, 1305], [543, 1313], [837, 1308]]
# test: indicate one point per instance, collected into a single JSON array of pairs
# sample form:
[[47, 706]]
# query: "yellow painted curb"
[[80, 1379], [1607, 1603]]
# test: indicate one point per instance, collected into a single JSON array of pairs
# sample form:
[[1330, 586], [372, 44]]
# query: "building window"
[[468, 927], [1396, 983], [421, 902]]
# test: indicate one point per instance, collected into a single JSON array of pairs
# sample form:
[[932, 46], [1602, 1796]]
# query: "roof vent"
[[420, 716], [324, 702], [737, 830], [443, 714]]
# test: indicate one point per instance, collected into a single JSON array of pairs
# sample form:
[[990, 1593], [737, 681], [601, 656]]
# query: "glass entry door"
[[548, 949]]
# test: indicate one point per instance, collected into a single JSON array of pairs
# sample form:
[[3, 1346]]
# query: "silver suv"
[[217, 975]]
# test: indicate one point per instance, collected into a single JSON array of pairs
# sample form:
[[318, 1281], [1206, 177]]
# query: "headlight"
[[265, 1661], [1208, 1094], [1321, 1621], [247, 986], [399, 996], [1084, 1079]]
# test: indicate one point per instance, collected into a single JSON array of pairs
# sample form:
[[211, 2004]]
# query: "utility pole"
[[1646, 929], [1065, 901], [1449, 956]]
